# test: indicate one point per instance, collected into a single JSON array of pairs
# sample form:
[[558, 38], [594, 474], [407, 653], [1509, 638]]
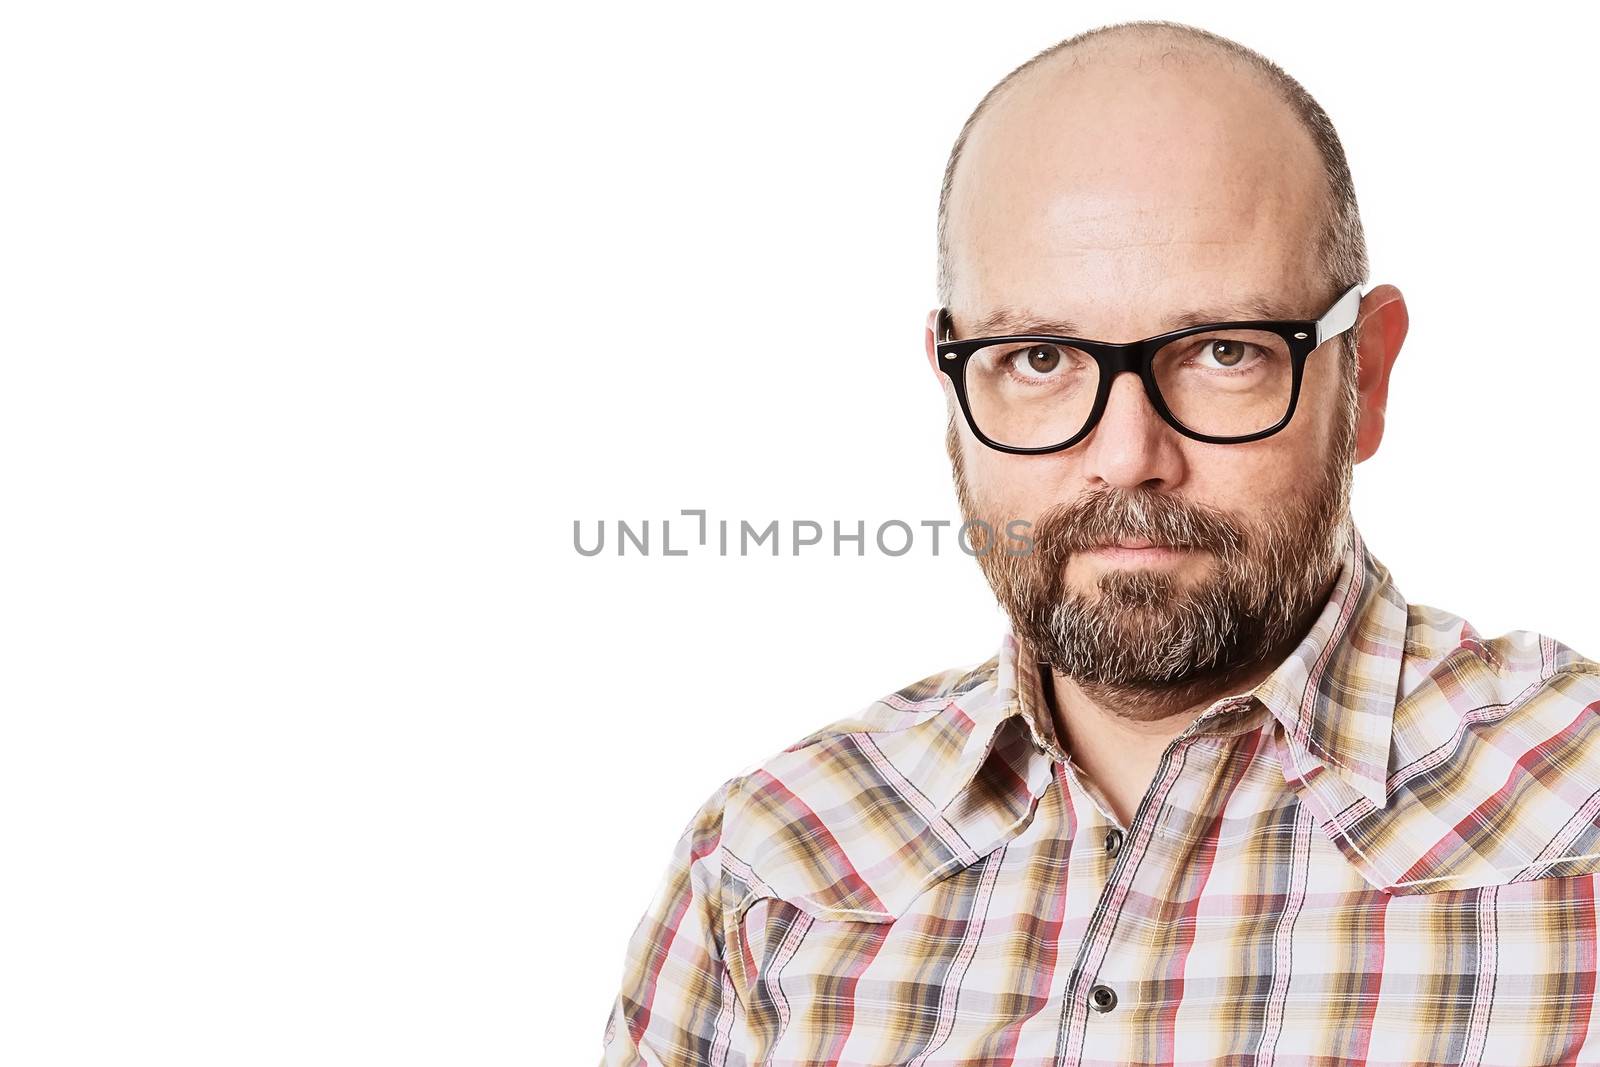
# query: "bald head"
[[1151, 133]]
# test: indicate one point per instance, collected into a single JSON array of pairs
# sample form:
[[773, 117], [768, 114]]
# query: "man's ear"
[[1381, 325], [928, 341]]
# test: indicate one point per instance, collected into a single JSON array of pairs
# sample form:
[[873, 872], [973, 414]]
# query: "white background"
[[323, 322]]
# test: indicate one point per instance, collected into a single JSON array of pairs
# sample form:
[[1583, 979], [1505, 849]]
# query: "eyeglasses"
[[1223, 383]]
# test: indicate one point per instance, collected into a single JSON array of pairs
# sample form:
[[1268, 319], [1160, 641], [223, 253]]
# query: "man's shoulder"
[[912, 714], [807, 822], [1449, 664], [1433, 634], [1500, 738], [905, 708], [920, 722]]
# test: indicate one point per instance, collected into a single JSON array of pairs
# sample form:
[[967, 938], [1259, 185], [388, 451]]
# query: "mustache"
[[1107, 515]]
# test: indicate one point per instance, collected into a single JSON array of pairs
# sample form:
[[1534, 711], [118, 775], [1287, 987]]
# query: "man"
[[1223, 796]]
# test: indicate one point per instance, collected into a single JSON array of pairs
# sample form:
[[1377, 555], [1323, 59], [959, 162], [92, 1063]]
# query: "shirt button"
[[1102, 998], [1113, 841]]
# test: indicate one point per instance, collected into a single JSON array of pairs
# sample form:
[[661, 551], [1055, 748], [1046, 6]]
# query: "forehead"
[[1235, 307], [1128, 194]]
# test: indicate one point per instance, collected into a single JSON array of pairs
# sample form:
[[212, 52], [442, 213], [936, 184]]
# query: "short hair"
[[1342, 246]]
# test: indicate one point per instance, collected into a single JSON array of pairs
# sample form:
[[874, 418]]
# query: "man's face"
[[1120, 196]]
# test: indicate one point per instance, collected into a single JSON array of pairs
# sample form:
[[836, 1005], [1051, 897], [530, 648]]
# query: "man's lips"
[[1136, 550]]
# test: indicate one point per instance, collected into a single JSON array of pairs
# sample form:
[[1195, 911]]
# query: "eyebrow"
[[1008, 319]]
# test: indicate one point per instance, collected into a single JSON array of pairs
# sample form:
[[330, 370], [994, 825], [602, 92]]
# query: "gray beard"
[[1145, 638]]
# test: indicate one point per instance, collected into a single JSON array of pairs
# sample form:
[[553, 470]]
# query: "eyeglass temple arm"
[[1341, 316]]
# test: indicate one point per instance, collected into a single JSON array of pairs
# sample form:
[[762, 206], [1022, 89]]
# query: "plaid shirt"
[[1386, 852]]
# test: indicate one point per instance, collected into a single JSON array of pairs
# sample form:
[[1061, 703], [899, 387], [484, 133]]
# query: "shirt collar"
[[1334, 694], [1012, 697]]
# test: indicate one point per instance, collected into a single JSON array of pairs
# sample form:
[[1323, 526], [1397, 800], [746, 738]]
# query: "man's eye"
[[1038, 361], [1228, 353]]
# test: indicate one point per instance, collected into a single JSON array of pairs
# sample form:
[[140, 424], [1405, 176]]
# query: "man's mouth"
[[1135, 550]]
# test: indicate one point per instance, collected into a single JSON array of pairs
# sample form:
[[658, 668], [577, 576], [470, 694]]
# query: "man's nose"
[[1132, 445]]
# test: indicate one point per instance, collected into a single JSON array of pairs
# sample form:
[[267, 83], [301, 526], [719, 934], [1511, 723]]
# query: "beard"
[[1148, 642]]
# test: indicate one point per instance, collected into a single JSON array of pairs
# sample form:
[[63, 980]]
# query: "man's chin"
[[1127, 589]]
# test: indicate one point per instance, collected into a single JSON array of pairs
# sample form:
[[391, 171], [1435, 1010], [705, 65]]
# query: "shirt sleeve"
[[676, 1006]]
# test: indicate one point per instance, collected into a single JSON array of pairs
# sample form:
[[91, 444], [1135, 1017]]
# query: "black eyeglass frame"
[[1303, 337]]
